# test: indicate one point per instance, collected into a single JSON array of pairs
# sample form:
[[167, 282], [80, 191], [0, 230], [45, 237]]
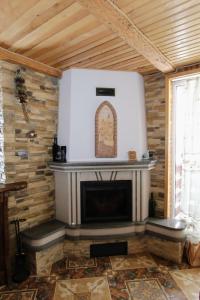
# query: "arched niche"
[[106, 131]]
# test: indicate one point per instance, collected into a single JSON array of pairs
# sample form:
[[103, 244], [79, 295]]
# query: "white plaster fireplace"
[[76, 129], [68, 178]]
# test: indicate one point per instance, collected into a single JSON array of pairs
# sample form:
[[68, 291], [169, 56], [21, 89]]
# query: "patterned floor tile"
[[189, 282], [83, 289], [132, 262], [83, 262], [104, 278], [19, 294], [146, 289]]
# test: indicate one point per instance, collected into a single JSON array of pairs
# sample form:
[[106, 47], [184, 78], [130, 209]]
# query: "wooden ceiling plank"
[[182, 46], [25, 22], [27, 62], [112, 44], [133, 5], [116, 59], [173, 41], [186, 52], [79, 44], [187, 61], [101, 64], [119, 22], [59, 38], [105, 56], [169, 12], [177, 35], [151, 7], [106, 44], [12, 10], [174, 27], [125, 62], [58, 22]]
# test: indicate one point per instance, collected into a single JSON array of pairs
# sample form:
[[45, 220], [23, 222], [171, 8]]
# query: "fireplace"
[[106, 201]]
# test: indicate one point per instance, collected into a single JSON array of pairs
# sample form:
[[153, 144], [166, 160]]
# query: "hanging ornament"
[[21, 92]]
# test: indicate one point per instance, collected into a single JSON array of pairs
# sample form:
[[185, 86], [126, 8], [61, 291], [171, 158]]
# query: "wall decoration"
[[21, 92], [105, 131]]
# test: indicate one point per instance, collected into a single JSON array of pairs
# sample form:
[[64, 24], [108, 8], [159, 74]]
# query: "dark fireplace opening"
[[106, 201]]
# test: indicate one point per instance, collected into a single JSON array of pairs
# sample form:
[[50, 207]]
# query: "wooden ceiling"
[[133, 35]]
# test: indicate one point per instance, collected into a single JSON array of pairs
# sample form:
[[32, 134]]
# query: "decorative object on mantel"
[[146, 155], [21, 92], [58, 152], [105, 131], [132, 155]]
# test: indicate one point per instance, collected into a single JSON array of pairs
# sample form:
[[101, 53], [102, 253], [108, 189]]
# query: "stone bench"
[[47, 243], [166, 238], [44, 245]]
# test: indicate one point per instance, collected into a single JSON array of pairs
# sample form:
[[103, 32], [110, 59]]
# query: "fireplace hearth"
[[102, 199], [106, 201]]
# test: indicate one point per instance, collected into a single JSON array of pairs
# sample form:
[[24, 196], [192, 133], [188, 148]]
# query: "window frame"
[[168, 133]]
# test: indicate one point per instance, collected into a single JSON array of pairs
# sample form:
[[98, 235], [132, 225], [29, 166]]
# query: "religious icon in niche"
[[105, 131]]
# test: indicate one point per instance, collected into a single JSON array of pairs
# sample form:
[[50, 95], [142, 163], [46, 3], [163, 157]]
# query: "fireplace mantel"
[[68, 178], [96, 166]]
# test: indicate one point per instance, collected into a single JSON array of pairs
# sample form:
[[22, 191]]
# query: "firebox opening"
[[106, 201]]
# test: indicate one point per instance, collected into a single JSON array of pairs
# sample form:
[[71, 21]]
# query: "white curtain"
[[186, 142]]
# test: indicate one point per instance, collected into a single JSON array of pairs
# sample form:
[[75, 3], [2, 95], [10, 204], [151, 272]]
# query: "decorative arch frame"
[[103, 136]]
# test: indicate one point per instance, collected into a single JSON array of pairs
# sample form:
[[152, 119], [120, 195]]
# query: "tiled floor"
[[133, 277]]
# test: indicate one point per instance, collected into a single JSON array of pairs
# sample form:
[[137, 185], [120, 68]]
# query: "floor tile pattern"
[[133, 277], [146, 289], [188, 281]]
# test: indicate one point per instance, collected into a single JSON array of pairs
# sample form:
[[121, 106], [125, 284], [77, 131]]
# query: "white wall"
[[78, 103]]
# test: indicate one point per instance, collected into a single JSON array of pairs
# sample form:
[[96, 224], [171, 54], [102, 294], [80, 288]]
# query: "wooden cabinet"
[[5, 273]]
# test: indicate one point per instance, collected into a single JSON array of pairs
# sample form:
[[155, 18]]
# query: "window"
[[184, 147]]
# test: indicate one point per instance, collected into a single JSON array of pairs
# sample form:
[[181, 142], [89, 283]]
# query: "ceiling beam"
[[28, 62], [112, 16]]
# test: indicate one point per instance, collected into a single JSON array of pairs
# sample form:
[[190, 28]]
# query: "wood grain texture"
[[25, 61], [119, 22], [72, 33]]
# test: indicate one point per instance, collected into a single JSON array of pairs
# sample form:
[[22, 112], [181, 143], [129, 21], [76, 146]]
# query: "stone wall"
[[36, 203], [155, 110]]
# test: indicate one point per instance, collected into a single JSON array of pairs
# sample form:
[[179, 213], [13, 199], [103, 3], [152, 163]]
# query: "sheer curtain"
[[186, 147]]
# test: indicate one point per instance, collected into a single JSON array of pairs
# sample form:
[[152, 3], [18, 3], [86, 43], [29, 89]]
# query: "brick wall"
[[36, 204], [155, 110]]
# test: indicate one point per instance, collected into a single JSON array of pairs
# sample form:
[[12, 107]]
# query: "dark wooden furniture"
[[5, 272]]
